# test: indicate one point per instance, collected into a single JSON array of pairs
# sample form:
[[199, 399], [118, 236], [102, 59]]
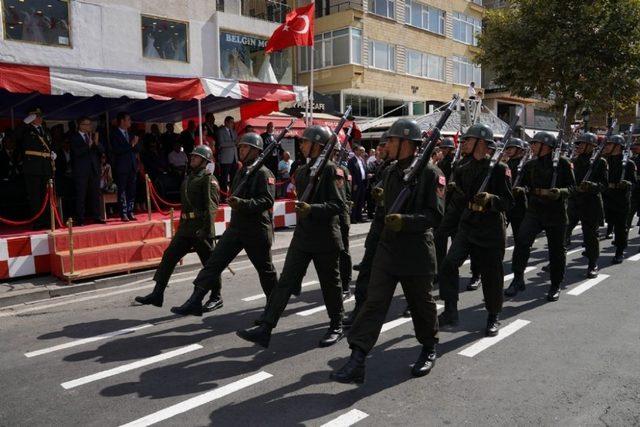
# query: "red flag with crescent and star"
[[297, 30]]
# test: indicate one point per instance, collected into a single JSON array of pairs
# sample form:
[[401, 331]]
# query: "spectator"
[[152, 159], [86, 152], [188, 137], [10, 160], [248, 129], [358, 172], [168, 138], [471, 91], [178, 160], [284, 171], [371, 160], [106, 176], [209, 129], [227, 152], [291, 188], [272, 161], [125, 148]]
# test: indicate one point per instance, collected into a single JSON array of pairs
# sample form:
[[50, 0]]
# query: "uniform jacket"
[[32, 141], [85, 158], [257, 196], [199, 194], [519, 201], [124, 155], [589, 205], [615, 199]]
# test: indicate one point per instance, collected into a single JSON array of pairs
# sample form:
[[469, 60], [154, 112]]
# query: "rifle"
[[321, 162], [597, 153], [422, 158], [344, 153], [523, 161], [626, 154], [456, 155], [259, 161], [558, 150], [497, 155]]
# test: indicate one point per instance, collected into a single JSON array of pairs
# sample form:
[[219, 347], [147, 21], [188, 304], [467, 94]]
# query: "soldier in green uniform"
[[546, 210], [250, 228], [482, 231], [405, 254], [617, 197], [199, 195], [345, 224], [38, 164], [585, 204], [514, 150], [447, 148], [316, 238]]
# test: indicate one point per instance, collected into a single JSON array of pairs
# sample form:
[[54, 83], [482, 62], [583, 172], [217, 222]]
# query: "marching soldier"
[[635, 193], [585, 205], [546, 210], [405, 254], [316, 238], [514, 150], [199, 195], [447, 148], [482, 232], [617, 197], [38, 164], [345, 224], [250, 228]]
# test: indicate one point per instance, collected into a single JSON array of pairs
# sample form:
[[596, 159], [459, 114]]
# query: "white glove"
[[53, 156], [211, 168]]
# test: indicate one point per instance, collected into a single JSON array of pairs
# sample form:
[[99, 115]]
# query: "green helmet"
[[384, 138], [203, 151], [515, 142], [317, 134], [252, 139], [545, 138], [616, 139], [405, 129], [447, 143], [587, 137], [480, 131]]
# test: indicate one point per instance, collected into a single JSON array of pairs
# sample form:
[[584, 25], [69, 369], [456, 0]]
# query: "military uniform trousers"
[[417, 290], [178, 248], [590, 227], [258, 249], [516, 222], [441, 239], [489, 263], [345, 255], [618, 219], [295, 268], [635, 208], [530, 228], [36, 188]]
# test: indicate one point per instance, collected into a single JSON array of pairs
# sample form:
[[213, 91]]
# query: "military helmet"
[[544, 138], [479, 131], [616, 139], [588, 137], [405, 129], [384, 138], [203, 151], [447, 143], [252, 139], [317, 134], [515, 142]]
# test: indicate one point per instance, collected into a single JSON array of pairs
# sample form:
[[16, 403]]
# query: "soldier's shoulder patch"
[[271, 181]]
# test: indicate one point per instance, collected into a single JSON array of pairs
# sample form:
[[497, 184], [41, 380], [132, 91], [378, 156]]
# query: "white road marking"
[[511, 276], [87, 340], [348, 419], [588, 284], [199, 400], [130, 366], [401, 321], [487, 342], [574, 251], [260, 296], [635, 257], [315, 310]]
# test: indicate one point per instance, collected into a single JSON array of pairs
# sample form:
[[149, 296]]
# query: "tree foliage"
[[580, 52]]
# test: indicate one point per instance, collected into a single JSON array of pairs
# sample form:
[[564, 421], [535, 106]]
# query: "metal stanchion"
[[52, 204], [147, 183]]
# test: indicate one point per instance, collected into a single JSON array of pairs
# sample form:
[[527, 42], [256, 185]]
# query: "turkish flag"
[[297, 30]]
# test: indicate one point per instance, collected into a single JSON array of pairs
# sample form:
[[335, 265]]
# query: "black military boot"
[[214, 303], [450, 314], [193, 306], [333, 334], [592, 270], [554, 292], [156, 297], [425, 362], [492, 325], [474, 283], [260, 334], [353, 370], [347, 320], [618, 258], [517, 285]]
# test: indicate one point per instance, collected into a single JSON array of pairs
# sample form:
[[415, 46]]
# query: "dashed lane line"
[[260, 296], [526, 270], [588, 284], [348, 419], [318, 309], [487, 342]]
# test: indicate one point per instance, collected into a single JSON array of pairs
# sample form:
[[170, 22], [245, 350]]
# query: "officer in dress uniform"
[[617, 197], [482, 231], [405, 254], [38, 164], [316, 238], [199, 195], [250, 228], [585, 204], [546, 210], [514, 150]]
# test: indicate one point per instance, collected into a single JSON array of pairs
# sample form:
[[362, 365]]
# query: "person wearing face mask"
[[250, 228], [482, 232], [546, 211]]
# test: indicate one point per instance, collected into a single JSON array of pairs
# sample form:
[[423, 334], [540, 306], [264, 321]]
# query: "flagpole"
[[313, 54]]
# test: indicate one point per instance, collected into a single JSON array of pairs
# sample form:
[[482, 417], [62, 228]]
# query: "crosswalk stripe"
[[318, 309], [588, 284], [487, 342], [401, 321], [348, 419], [199, 400], [635, 257], [260, 296], [82, 341], [511, 276], [130, 366]]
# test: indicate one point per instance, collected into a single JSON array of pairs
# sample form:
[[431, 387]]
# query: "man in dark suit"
[[188, 137], [227, 152], [358, 170], [86, 152], [125, 165], [271, 162], [167, 140]]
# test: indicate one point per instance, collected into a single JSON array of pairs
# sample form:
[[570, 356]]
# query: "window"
[[363, 106], [333, 48], [423, 16], [465, 72], [466, 28], [37, 21], [386, 8], [425, 65], [382, 55], [165, 39]]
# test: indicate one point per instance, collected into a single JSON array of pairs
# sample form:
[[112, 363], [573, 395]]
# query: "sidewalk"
[[29, 289]]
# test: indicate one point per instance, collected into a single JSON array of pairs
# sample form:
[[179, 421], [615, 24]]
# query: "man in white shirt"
[[471, 91], [177, 158]]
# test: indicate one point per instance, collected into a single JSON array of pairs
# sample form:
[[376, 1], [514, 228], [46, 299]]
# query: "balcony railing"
[[268, 10], [328, 7]]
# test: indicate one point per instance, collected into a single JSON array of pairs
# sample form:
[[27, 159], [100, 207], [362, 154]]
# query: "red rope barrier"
[[160, 199], [28, 221], [155, 202], [54, 206]]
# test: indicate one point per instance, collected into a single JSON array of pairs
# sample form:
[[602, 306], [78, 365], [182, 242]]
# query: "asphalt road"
[[94, 359]]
